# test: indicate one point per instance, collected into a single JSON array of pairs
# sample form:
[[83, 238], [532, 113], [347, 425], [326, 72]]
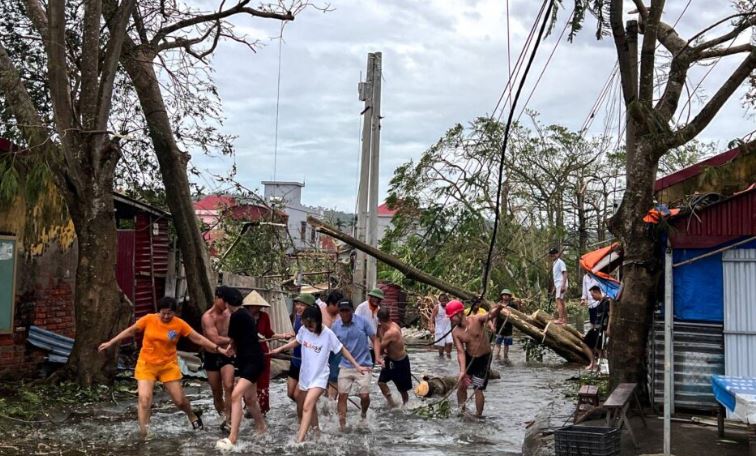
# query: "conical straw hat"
[[254, 299]]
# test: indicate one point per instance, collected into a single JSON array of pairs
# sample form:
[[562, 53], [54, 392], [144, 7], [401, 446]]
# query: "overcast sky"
[[444, 62]]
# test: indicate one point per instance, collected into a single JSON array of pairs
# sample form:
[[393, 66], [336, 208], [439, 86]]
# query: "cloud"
[[444, 63]]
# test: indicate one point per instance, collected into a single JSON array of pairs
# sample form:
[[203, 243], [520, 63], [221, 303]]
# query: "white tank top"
[[441, 315]]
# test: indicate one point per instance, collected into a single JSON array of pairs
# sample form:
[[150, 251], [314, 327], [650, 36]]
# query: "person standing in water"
[[358, 336], [396, 362], [473, 352], [249, 361], [442, 327], [219, 368], [317, 342], [292, 380], [158, 360], [254, 303]]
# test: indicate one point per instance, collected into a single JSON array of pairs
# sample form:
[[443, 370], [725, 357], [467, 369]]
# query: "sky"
[[444, 63]]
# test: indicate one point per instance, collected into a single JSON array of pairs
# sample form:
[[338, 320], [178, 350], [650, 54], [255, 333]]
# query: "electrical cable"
[[497, 207]]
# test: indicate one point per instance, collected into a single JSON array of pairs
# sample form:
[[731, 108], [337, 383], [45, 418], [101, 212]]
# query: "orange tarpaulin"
[[654, 215], [597, 260]]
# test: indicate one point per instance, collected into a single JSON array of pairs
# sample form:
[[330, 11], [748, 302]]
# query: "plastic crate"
[[587, 441]]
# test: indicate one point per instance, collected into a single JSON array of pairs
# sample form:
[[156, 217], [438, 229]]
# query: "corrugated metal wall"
[[698, 354], [740, 312], [151, 246]]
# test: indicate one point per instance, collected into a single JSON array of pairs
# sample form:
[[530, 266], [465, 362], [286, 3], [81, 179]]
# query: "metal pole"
[[668, 350], [371, 274], [366, 95]]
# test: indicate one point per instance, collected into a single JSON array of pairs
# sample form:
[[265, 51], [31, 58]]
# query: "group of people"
[[334, 348]]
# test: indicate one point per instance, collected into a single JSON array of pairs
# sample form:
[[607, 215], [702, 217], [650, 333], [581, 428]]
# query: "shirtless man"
[[219, 368], [473, 352], [396, 361]]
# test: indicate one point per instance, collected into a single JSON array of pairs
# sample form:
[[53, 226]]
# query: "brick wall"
[[44, 297]]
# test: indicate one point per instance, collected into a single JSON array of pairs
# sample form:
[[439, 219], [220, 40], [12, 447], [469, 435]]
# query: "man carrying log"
[[396, 366], [473, 352]]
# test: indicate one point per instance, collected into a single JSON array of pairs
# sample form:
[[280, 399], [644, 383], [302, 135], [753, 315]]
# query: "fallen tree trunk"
[[556, 337], [439, 386]]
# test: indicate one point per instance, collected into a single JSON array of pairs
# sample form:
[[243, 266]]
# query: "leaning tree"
[[663, 58], [80, 151]]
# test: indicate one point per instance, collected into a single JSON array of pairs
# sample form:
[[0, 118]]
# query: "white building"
[[287, 197]]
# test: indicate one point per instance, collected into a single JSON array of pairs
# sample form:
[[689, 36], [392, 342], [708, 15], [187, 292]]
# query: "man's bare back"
[[392, 341], [473, 336]]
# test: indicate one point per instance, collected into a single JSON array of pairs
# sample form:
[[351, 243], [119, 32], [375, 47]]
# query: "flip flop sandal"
[[197, 422]]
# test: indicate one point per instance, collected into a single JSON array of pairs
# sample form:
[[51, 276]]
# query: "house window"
[[7, 282], [303, 231], [312, 236]]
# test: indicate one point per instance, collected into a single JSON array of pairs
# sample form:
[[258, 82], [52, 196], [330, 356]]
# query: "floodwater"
[[511, 403]]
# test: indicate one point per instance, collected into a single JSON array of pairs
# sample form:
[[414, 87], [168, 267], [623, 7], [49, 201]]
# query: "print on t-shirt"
[[172, 334], [311, 346]]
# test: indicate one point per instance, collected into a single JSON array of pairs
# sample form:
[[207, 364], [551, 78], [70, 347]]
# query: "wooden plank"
[[620, 396]]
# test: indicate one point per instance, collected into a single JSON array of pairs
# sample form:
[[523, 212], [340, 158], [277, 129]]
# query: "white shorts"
[[558, 294], [440, 331], [349, 376]]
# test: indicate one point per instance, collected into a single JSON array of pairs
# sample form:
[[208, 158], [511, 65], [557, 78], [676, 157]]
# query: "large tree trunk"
[[630, 319], [173, 163], [100, 311]]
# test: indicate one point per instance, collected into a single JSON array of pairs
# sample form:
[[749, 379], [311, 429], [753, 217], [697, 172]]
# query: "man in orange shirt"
[[158, 360]]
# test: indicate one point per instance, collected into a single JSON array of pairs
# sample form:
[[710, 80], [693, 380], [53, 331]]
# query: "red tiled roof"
[[384, 211], [214, 202]]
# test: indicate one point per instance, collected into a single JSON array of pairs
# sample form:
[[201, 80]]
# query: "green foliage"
[[30, 401], [586, 378], [255, 251], [533, 350], [445, 203], [439, 409]]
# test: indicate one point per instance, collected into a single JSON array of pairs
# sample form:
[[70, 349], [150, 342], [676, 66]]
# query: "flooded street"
[[510, 403]]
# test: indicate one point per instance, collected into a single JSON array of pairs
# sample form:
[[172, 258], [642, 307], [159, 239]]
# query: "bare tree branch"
[[90, 61], [222, 14], [648, 54], [711, 108], [749, 20], [623, 59], [723, 52], [117, 24], [37, 15], [60, 93]]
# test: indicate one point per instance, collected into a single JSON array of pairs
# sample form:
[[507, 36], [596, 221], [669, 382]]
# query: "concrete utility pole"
[[375, 140], [366, 95]]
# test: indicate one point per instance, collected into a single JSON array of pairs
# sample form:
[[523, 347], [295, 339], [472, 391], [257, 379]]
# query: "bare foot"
[[590, 367], [558, 322]]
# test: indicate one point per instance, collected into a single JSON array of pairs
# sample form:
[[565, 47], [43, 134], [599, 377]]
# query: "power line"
[[489, 258], [546, 65]]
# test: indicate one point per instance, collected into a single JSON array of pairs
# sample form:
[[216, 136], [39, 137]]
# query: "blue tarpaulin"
[[698, 286]]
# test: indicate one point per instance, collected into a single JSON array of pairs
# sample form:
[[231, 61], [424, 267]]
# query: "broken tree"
[[563, 340]]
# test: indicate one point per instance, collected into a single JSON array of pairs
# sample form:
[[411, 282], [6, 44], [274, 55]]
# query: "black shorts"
[[249, 369], [594, 339], [593, 315], [398, 372], [215, 361], [294, 372], [477, 369]]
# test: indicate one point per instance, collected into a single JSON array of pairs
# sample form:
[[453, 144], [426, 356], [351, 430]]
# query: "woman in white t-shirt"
[[317, 343]]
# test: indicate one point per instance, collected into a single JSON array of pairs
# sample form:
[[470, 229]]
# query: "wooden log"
[[542, 317], [557, 337]]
